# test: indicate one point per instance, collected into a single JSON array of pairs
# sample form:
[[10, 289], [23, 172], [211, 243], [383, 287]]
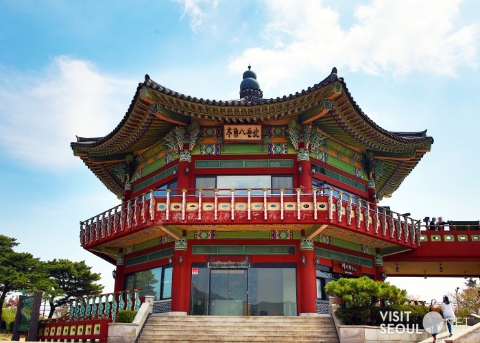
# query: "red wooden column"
[[379, 272], [372, 193], [179, 286], [304, 170], [184, 170], [308, 278], [119, 273]]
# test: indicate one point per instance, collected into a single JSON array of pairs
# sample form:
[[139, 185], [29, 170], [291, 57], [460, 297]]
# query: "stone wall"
[[374, 334]]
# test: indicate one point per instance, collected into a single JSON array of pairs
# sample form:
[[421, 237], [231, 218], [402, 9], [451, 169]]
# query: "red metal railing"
[[250, 206], [89, 317]]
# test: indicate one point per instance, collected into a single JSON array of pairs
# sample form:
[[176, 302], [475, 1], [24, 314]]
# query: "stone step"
[[219, 338], [227, 340], [227, 329], [253, 320], [244, 332], [240, 325]]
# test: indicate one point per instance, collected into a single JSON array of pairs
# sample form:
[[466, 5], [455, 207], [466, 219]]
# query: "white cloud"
[[197, 10], [394, 37], [42, 112]]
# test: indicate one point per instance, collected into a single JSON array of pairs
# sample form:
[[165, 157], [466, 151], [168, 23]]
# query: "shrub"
[[125, 316], [365, 292], [355, 315]]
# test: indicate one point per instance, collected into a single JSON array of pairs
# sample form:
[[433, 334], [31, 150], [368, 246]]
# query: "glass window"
[[150, 282], [162, 190], [272, 292], [206, 182], [242, 182], [200, 290], [324, 188], [167, 283], [319, 289], [282, 182]]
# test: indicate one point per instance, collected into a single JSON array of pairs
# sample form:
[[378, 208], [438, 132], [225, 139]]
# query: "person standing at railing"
[[432, 226], [448, 314], [441, 224]]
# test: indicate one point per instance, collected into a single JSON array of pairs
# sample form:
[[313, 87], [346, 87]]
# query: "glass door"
[[228, 292]]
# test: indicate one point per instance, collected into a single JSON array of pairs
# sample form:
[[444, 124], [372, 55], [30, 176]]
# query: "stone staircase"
[[179, 329]]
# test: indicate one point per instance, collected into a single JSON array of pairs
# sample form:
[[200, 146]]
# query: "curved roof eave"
[[241, 110]]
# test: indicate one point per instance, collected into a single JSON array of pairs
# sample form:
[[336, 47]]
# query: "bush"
[[365, 292], [125, 316], [355, 315]]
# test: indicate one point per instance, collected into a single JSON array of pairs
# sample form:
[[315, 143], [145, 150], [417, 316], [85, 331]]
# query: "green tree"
[[471, 283], [468, 300], [18, 271], [365, 292], [68, 280]]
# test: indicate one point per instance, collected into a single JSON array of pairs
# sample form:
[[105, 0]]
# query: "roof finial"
[[249, 67]]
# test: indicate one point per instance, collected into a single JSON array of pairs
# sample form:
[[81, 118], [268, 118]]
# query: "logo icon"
[[433, 322]]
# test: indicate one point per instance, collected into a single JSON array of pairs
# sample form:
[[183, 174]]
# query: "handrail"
[[141, 209]]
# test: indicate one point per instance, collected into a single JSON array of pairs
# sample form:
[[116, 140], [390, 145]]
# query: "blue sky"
[[71, 68]]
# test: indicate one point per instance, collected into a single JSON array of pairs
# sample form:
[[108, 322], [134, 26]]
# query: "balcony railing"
[[250, 206]]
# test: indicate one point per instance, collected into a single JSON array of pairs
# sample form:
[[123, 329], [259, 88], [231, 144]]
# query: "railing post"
[[82, 234], [412, 231], [104, 224], [129, 301], [384, 222], [144, 205], [405, 228], [281, 203], [184, 203], [419, 233], [137, 300], [392, 226], [339, 207], [136, 213], [94, 306], [330, 204], [114, 307], [71, 308], [167, 209], [115, 220], [232, 203], [358, 212], [108, 306], [367, 216], [398, 227], [199, 204], [129, 214], [215, 213], [93, 228], [249, 203], [122, 218], [153, 204], [265, 216], [88, 307], [349, 210], [97, 227], [298, 203], [375, 220], [109, 223], [100, 305], [83, 308]]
